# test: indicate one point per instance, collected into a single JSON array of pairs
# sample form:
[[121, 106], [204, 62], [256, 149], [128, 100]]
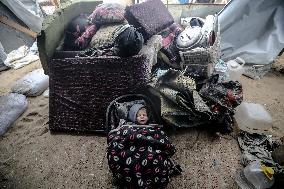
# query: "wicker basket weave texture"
[[149, 17], [82, 88]]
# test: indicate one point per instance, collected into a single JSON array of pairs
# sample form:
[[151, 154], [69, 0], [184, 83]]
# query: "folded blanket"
[[107, 13], [149, 17]]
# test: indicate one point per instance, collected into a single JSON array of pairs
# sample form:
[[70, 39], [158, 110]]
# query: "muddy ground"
[[32, 157]]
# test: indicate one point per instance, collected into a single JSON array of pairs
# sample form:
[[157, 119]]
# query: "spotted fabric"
[[139, 156]]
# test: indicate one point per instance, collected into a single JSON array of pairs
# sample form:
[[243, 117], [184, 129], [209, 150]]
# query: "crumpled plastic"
[[3, 56], [258, 147], [229, 94], [221, 68], [32, 84], [182, 105]]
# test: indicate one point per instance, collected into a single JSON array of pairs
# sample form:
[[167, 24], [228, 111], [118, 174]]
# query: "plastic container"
[[259, 175], [253, 118], [221, 69], [235, 68]]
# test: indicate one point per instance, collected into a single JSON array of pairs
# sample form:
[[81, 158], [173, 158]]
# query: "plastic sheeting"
[[28, 11], [252, 30], [22, 56], [11, 107], [3, 57]]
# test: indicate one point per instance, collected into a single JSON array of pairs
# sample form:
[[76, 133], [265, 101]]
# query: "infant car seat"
[[118, 109]]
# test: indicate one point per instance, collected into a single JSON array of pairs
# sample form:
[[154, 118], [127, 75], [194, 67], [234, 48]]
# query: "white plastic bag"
[[46, 93], [11, 107], [22, 56], [32, 84]]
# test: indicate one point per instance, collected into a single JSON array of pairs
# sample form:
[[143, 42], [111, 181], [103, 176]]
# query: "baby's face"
[[142, 117]]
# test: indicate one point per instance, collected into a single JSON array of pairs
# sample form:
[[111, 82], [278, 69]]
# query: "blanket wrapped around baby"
[[139, 156]]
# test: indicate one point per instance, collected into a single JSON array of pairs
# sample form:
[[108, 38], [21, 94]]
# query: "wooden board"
[[17, 26]]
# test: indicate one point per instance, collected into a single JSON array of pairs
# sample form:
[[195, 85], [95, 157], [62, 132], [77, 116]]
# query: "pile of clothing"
[[114, 30], [104, 32], [186, 104]]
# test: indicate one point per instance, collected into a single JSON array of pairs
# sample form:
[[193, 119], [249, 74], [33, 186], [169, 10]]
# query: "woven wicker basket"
[[112, 118], [82, 88]]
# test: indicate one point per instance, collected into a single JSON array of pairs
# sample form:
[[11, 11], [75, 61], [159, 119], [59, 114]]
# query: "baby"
[[139, 154], [138, 114]]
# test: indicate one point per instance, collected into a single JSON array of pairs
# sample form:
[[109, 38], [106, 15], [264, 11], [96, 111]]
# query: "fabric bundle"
[[115, 40], [182, 105], [104, 37], [228, 94], [79, 33], [169, 52], [147, 19], [128, 41], [107, 13], [139, 156]]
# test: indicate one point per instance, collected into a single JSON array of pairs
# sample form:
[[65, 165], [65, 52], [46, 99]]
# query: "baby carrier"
[[118, 109], [138, 155]]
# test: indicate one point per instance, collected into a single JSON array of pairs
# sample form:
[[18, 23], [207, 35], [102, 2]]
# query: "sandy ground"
[[31, 157]]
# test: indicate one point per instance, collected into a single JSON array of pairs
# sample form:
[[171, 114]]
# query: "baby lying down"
[[139, 153]]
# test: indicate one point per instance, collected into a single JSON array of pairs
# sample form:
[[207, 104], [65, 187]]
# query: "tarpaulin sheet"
[[28, 11], [252, 30]]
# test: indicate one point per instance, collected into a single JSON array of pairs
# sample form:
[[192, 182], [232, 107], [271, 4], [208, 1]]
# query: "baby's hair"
[[143, 108]]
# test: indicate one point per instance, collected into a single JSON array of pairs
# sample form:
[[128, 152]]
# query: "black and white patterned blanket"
[[139, 156]]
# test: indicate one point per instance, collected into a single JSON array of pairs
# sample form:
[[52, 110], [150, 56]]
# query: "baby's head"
[[138, 114]]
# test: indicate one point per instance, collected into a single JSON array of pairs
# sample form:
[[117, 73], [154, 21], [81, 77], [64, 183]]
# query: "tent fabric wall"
[[252, 30], [11, 38], [28, 11]]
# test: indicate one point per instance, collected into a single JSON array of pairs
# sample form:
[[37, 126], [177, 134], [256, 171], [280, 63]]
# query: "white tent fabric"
[[28, 11], [252, 30]]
